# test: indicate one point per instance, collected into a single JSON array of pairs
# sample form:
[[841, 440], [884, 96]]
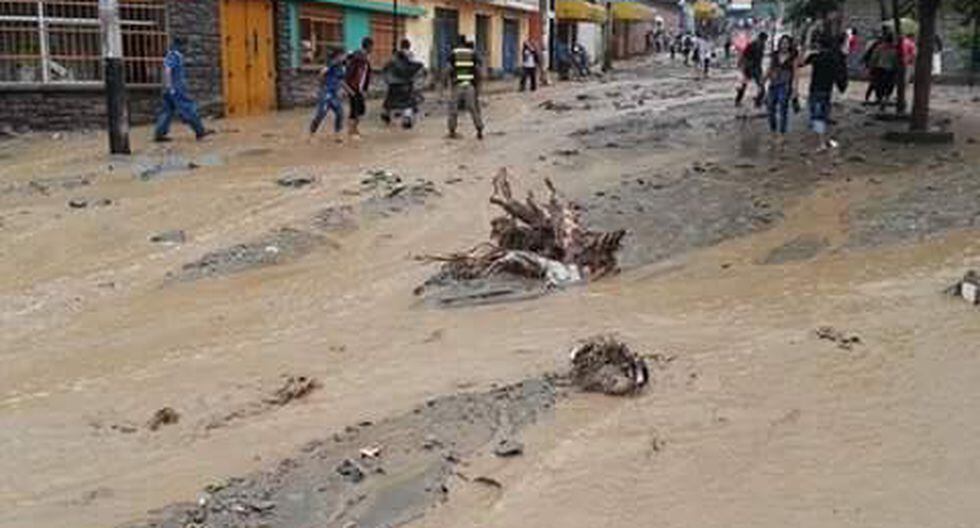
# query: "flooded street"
[[188, 277]]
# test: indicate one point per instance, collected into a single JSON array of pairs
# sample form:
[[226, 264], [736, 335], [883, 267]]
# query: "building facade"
[[865, 16], [51, 68]]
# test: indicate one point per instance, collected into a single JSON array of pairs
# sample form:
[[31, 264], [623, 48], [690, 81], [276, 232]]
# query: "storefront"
[[633, 24], [497, 28], [579, 22], [310, 29]]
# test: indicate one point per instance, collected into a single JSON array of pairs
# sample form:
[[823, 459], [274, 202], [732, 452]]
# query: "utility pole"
[[607, 37], [117, 108], [394, 20]]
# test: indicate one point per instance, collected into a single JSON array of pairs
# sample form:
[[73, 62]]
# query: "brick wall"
[[71, 107]]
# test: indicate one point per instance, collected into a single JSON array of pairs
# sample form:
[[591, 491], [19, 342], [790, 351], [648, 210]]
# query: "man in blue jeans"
[[829, 69], [175, 98]]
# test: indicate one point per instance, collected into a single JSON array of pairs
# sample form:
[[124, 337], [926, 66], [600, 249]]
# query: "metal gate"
[[511, 44]]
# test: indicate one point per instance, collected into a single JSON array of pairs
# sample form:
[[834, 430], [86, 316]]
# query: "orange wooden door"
[[261, 76], [248, 56], [234, 53]]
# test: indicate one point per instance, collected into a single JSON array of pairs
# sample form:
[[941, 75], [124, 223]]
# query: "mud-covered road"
[[225, 333]]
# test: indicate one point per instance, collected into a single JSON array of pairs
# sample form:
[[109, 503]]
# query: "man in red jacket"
[[357, 81]]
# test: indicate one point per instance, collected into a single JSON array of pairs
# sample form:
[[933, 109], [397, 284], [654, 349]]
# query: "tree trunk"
[[928, 10], [900, 81]]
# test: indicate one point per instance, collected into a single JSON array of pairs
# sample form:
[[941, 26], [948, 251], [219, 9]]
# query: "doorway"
[[483, 41], [512, 35], [247, 51], [445, 32]]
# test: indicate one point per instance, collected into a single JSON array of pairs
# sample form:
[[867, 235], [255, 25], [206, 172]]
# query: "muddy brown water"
[[755, 422]]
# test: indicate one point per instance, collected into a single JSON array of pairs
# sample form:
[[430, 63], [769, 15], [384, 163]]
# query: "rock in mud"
[[843, 340], [78, 203], [163, 416], [350, 471], [508, 448], [295, 181], [175, 236], [607, 365]]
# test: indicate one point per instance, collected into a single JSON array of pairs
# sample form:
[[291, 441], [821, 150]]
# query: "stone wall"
[[198, 23], [61, 108], [56, 107], [295, 86]]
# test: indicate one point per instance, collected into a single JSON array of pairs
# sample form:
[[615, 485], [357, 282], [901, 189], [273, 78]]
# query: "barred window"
[[321, 29], [59, 41]]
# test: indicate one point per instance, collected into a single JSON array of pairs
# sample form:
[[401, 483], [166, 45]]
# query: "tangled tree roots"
[[605, 364], [535, 241]]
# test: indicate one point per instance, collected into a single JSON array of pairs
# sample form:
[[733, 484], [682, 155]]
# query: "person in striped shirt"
[[464, 65]]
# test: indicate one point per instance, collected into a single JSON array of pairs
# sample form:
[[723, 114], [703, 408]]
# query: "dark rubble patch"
[[670, 215], [373, 474], [683, 125], [803, 247], [929, 206], [276, 247]]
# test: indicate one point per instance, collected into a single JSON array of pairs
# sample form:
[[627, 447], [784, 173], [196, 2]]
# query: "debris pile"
[[292, 388], [968, 288], [163, 416], [543, 242], [607, 365]]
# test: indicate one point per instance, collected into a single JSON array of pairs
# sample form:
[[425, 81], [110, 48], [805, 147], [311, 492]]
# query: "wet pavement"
[[737, 252]]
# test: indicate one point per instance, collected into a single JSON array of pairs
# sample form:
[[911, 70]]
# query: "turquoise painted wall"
[[357, 25], [292, 21]]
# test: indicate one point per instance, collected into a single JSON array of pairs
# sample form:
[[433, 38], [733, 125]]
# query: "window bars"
[[59, 41]]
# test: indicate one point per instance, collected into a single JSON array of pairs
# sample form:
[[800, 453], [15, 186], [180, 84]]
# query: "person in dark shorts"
[[750, 64], [829, 69], [357, 80]]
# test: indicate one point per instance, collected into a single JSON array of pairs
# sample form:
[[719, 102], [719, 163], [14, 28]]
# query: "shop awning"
[[580, 11], [632, 12]]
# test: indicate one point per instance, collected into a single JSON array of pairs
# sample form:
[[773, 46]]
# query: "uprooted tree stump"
[[607, 365], [541, 242]]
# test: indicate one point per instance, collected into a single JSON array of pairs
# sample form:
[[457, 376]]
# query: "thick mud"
[[387, 473], [770, 244]]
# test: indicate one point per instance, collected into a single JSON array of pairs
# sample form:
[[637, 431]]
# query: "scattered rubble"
[[605, 364], [844, 341], [276, 247], [328, 483], [82, 203], [163, 416], [543, 243]]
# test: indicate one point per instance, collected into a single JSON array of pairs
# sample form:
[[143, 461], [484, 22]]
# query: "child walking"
[[332, 78]]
